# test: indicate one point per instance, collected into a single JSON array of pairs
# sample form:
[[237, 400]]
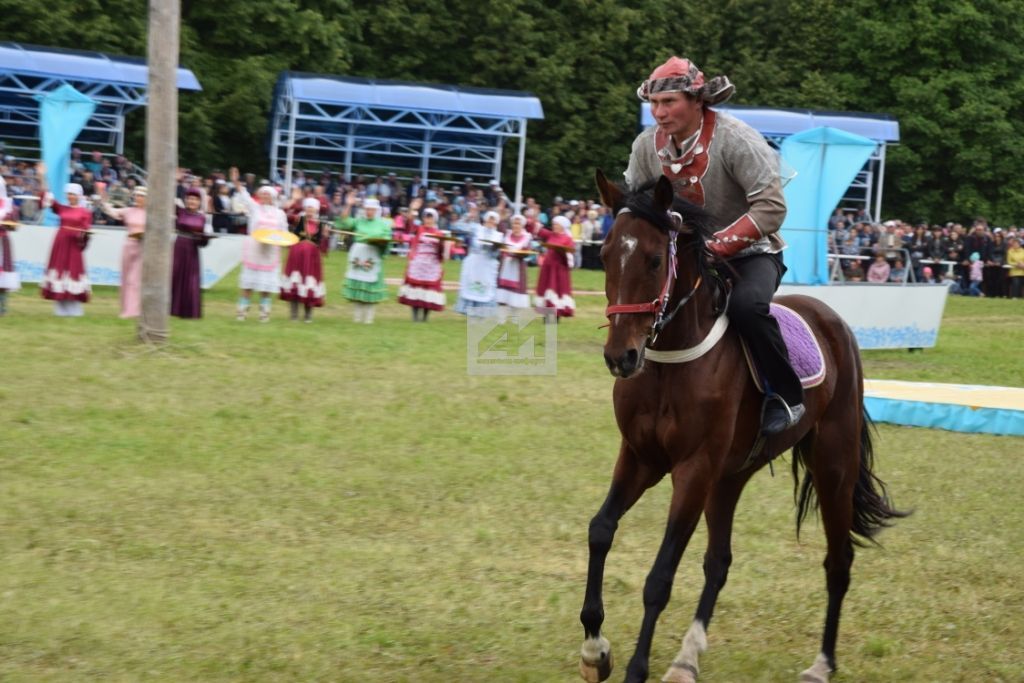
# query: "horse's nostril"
[[631, 359]]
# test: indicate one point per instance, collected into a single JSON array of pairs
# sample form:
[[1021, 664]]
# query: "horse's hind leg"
[[719, 512], [630, 480], [833, 464]]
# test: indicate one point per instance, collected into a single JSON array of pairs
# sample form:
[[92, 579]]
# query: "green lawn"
[[333, 502]]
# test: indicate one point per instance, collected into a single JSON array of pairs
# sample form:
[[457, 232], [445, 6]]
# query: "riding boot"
[[309, 314], [777, 415], [426, 312], [295, 309]]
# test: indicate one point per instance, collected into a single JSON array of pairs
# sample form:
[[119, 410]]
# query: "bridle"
[[659, 307]]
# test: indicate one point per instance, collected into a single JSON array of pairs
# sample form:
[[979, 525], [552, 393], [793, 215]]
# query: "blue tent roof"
[[784, 122], [365, 125], [415, 96], [78, 65]]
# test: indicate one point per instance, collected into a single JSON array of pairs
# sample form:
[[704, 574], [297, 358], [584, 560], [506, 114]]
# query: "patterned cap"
[[682, 75]]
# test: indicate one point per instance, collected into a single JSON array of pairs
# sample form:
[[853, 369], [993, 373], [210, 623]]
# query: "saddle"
[[804, 350]]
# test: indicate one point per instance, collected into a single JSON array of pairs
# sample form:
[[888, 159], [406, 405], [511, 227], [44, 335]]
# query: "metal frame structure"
[[117, 84], [377, 126], [778, 124]]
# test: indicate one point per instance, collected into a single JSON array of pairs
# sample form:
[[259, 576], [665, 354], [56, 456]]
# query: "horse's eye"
[[654, 262]]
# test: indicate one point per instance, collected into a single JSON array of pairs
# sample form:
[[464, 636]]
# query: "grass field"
[[333, 502]]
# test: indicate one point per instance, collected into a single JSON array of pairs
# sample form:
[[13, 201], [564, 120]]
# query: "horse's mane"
[[640, 201]]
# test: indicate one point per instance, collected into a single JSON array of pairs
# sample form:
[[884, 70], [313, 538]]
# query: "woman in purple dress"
[[186, 294]]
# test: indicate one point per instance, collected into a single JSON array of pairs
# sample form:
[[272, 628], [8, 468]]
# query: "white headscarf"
[[491, 215], [562, 221], [311, 203], [269, 189], [73, 188]]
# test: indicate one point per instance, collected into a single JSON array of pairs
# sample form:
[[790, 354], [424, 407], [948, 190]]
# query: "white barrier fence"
[[884, 316], [31, 247]]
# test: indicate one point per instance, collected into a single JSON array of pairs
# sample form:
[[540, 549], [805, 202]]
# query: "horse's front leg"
[[630, 479], [690, 483], [719, 511]]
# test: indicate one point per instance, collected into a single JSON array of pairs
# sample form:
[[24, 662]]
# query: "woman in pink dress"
[[424, 273], [65, 281], [554, 286], [303, 279], [134, 219], [512, 286]]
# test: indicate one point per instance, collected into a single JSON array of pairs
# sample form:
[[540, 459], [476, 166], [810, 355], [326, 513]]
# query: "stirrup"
[[779, 420]]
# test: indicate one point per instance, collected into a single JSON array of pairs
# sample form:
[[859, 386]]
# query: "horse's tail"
[[872, 509]]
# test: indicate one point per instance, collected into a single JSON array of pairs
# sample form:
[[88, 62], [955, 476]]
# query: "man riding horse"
[[720, 163]]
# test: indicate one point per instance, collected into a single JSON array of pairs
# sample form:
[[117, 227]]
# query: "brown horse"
[[699, 422]]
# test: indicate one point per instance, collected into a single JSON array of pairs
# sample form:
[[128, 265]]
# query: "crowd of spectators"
[[972, 261], [456, 203]]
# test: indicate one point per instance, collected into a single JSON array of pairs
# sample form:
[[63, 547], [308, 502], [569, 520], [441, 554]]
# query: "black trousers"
[[756, 279]]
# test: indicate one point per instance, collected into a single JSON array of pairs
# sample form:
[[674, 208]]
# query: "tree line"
[[948, 70]]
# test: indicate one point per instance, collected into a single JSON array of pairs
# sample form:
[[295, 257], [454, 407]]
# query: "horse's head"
[[652, 227]]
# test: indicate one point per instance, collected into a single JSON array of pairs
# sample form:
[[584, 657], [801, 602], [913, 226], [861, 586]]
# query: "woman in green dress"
[[364, 280]]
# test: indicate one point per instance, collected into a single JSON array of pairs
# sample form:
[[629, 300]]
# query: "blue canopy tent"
[[116, 84], [373, 126], [865, 188], [826, 160]]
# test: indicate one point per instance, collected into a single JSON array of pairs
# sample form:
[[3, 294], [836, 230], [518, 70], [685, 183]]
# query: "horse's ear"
[[663, 193], [611, 195]]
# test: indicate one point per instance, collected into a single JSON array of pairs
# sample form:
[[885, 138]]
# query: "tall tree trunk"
[[161, 162]]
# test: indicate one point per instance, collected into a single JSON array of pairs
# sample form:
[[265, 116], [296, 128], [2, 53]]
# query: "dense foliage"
[[949, 70]]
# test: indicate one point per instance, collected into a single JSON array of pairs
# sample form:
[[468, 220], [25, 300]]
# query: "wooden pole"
[[161, 162]]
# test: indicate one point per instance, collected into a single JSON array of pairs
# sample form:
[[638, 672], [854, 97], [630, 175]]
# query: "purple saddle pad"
[[804, 351]]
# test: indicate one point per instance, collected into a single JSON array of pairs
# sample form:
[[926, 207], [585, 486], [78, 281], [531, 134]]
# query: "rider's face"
[[676, 113]]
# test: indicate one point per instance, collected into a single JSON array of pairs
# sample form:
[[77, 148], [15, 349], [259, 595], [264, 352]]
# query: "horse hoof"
[[812, 677], [680, 673], [596, 664], [820, 672]]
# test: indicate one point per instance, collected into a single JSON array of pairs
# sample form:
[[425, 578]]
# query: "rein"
[[659, 306]]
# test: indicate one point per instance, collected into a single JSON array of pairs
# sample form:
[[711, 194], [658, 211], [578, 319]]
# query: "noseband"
[[660, 305]]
